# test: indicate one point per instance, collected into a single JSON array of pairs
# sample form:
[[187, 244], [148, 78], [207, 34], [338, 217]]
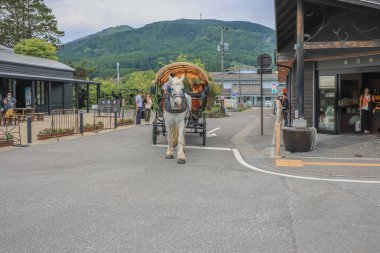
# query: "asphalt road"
[[114, 192]]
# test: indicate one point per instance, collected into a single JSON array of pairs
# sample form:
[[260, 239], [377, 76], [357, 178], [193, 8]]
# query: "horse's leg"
[[169, 136], [181, 142], [184, 139], [175, 136]]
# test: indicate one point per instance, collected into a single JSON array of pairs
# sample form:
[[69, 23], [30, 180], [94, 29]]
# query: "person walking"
[[285, 108], [148, 108], [139, 108], [367, 108]]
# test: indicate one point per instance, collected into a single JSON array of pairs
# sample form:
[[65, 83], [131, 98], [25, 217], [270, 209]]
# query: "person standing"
[[9, 104], [279, 114], [148, 108], [285, 108], [139, 108], [366, 110]]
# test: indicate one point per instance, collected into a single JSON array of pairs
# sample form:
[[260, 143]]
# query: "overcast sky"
[[83, 17]]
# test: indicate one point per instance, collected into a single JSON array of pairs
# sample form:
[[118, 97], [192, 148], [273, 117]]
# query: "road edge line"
[[240, 159]]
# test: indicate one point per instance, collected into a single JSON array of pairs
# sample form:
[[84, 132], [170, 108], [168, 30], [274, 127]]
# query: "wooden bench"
[[21, 118], [39, 116]]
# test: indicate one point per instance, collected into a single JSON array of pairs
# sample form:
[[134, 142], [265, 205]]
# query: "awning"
[[45, 78]]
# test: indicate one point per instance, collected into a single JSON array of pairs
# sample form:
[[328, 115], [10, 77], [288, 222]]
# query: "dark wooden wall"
[[56, 99]]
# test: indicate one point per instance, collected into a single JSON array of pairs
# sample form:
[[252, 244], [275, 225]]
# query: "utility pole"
[[222, 49], [239, 85], [118, 72]]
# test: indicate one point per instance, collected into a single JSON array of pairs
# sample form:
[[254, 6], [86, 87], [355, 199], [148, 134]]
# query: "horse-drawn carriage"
[[196, 88]]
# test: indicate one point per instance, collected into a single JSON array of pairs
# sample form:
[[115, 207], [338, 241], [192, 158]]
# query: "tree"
[[38, 48], [26, 19], [83, 70]]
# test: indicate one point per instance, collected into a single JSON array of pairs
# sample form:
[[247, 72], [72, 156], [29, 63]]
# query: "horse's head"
[[177, 92]]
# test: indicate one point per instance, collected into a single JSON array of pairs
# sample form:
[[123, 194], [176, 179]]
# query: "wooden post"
[[88, 98], [49, 98], [77, 96], [14, 87], [98, 93], [278, 139], [33, 94], [63, 96], [300, 59]]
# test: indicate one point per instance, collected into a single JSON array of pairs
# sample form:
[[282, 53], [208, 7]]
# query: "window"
[[40, 93], [10, 86]]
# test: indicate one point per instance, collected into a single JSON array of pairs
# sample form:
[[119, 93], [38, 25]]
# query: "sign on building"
[[109, 105]]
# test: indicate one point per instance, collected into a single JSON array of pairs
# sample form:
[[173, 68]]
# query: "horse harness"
[[167, 104]]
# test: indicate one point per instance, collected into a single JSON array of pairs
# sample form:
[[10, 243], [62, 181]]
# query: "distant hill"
[[155, 44]]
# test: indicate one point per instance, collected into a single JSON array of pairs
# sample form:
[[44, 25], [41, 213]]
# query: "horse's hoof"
[[181, 161], [169, 156]]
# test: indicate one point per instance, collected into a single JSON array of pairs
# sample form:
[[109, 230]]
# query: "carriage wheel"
[[154, 134], [204, 135]]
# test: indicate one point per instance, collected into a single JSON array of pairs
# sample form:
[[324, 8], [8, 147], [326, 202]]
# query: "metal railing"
[[10, 134], [104, 120], [64, 122]]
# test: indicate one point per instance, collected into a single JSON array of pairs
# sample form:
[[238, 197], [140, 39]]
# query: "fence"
[[10, 134], [104, 120], [64, 122]]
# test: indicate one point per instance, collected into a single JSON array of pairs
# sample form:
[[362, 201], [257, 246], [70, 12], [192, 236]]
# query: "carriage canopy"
[[191, 72]]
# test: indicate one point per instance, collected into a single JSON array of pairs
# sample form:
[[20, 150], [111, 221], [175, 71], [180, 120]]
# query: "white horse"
[[175, 115]]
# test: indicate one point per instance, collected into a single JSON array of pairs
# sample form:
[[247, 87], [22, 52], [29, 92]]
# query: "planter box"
[[88, 129], [42, 137], [299, 140], [6, 143], [99, 127], [57, 134]]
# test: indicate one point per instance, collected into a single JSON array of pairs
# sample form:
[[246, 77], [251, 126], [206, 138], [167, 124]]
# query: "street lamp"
[[222, 50]]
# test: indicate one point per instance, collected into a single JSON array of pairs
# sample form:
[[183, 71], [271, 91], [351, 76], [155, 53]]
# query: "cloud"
[[84, 17]]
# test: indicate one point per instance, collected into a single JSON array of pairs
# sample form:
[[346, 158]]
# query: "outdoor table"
[[24, 112]]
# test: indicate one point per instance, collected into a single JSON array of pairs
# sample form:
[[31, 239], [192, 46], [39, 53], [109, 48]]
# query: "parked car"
[[268, 104]]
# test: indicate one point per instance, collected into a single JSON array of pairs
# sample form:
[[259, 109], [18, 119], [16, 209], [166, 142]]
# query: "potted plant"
[[88, 127], [7, 140], [120, 122], [68, 131], [129, 121], [44, 134], [57, 132], [99, 125]]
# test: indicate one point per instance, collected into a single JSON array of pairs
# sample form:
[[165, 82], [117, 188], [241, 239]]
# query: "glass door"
[[327, 104]]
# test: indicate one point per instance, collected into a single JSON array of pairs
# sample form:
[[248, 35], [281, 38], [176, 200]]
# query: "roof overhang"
[[286, 26], [45, 78]]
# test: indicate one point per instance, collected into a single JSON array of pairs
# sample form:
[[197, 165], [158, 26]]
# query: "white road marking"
[[195, 147], [214, 130], [240, 159], [210, 135]]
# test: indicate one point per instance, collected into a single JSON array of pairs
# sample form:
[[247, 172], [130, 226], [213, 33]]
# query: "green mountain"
[[155, 44]]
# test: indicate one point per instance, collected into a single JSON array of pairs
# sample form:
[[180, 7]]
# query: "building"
[[328, 52], [246, 86], [40, 83]]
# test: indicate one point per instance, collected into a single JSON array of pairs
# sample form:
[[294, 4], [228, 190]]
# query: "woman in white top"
[[148, 109]]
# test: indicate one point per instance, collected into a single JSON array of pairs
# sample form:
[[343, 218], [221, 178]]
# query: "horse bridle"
[[169, 95]]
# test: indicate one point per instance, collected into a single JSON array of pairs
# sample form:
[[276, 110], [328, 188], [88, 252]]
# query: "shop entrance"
[[349, 90], [338, 102]]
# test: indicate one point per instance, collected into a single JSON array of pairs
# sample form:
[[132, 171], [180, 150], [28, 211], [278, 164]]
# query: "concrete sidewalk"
[[335, 156]]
